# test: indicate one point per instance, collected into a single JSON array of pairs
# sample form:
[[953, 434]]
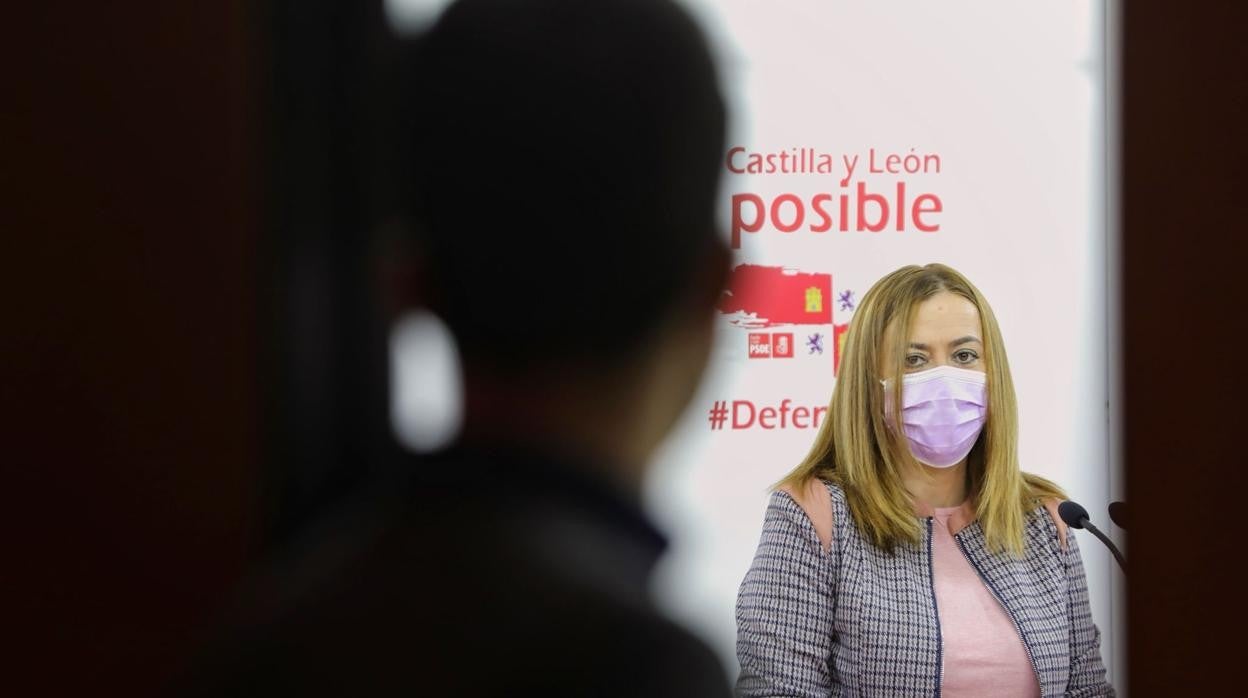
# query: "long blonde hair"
[[854, 447]]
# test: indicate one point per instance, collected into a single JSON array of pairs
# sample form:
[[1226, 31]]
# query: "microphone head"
[[1118, 514], [1072, 513]]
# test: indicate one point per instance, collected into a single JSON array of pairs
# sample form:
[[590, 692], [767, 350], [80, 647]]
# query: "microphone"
[[1118, 514], [1076, 516]]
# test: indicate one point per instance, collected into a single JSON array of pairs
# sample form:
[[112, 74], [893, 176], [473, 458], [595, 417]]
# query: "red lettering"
[[800, 413], [784, 411], [737, 423], [775, 212], [878, 200], [871, 166], [765, 416], [817, 204], [739, 224], [873, 212], [918, 211], [901, 206]]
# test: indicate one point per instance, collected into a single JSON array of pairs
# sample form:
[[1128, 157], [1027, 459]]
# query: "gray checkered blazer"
[[856, 621]]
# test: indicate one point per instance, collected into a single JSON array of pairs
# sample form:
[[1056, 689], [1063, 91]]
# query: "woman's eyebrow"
[[955, 343]]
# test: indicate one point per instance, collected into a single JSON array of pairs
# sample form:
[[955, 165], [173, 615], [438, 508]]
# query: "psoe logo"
[[760, 345], [782, 345], [778, 345]]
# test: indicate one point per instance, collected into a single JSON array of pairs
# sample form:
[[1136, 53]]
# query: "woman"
[[918, 559]]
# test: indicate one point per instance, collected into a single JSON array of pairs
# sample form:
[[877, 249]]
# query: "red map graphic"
[[838, 340], [769, 296]]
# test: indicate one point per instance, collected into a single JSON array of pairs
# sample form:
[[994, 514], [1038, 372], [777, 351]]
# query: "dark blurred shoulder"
[[512, 580]]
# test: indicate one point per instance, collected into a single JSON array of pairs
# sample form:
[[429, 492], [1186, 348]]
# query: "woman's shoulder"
[[1047, 496], [1045, 515], [815, 499]]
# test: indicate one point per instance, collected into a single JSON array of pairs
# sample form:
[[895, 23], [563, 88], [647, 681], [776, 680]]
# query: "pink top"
[[983, 654]]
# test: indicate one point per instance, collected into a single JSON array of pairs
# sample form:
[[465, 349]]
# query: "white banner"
[[865, 137]]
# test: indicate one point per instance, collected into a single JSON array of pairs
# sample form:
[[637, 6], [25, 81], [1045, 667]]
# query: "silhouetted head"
[[565, 159]]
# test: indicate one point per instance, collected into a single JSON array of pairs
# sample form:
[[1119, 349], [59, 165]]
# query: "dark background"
[[186, 200]]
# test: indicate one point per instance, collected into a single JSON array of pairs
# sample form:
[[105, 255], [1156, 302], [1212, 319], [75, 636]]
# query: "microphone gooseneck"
[[1076, 516]]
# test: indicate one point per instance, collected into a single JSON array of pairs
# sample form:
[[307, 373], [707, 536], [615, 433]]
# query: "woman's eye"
[[915, 360], [965, 356]]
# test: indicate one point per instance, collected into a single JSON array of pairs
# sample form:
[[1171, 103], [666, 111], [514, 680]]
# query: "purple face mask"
[[943, 410]]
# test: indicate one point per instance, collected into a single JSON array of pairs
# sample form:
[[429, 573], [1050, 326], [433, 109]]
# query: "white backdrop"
[[1011, 98]]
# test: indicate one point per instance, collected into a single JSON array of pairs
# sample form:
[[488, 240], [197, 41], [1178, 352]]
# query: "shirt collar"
[[962, 517]]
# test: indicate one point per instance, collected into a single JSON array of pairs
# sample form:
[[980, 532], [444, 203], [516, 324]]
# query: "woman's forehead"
[[941, 319], [944, 314]]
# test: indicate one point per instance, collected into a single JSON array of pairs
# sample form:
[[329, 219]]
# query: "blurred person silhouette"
[[562, 165]]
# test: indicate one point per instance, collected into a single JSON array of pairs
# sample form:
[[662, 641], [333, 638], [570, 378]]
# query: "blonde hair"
[[854, 447]]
